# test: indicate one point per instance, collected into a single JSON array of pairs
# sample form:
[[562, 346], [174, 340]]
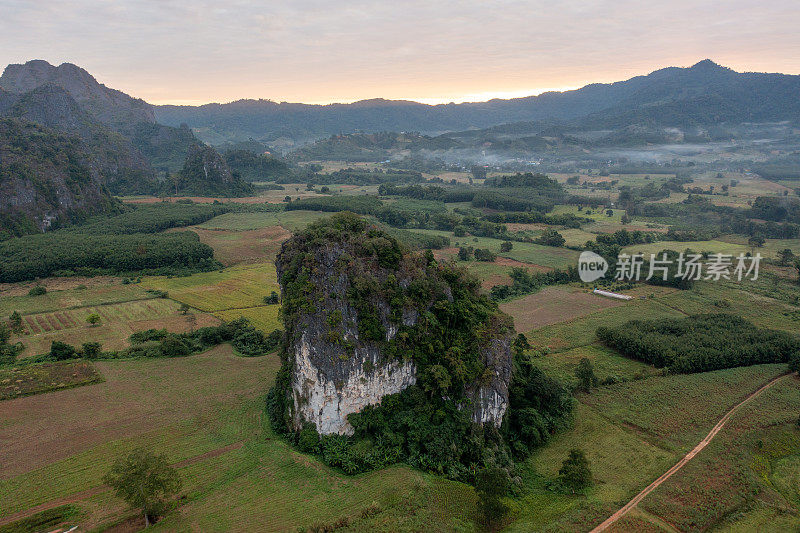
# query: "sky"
[[432, 51]]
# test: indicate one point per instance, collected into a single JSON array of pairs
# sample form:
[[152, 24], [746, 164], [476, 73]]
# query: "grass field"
[[253, 246], [746, 479], [264, 317], [209, 407], [534, 254], [100, 291], [606, 364], [237, 287], [581, 331], [675, 412], [117, 323], [290, 220]]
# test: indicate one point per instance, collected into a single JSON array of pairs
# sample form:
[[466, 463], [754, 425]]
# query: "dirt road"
[[703, 443]]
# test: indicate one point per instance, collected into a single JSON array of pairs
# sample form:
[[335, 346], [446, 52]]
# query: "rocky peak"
[[365, 319], [112, 107]]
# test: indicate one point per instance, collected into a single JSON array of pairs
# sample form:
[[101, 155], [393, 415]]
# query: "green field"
[[237, 287], [237, 475], [291, 220], [95, 293], [525, 252], [264, 317]]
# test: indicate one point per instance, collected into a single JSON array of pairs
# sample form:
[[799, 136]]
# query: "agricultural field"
[[67, 293], [208, 409], [235, 247], [237, 287], [607, 365], [35, 379], [552, 305], [290, 220], [747, 477], [264, 317], [581, 331], [675, 412], [117, 323], [523, 252]]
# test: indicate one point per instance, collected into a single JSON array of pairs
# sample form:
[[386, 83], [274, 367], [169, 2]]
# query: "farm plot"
[[554, 304], [74, 318], [264, 317], [606, 363], [117, 323], [730, 297], [697, 246], [252, 246], [525, 252], [237, 287], [34, 379], [81, 293], [581, 331], [675, 412], [290, 220], [621, 462], [205, 412], [755, 453]]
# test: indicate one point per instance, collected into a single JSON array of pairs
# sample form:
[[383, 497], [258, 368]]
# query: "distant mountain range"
[[703, 94], [68, 142]]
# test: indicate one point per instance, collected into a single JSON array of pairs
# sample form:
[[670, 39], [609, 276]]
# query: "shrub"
[[492, 484], [60, 351], [91, 350], [575, 474], [585, 374], [37, 291]]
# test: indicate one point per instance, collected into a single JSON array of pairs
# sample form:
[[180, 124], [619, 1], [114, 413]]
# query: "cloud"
[[314, 50]]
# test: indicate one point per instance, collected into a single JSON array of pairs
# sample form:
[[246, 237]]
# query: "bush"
[[575, 474], [91, 350], [485, 255], [308, 440], [37, 291], [59, 351], [492, 484]]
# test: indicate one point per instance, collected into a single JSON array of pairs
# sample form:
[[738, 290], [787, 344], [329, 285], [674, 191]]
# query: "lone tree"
[[15, 321], [492, 484], [520, 345], [145, 481], [575, 473], [585, 374], [184, 308], [93, 319]]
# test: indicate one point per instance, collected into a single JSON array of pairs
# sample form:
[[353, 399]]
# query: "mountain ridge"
[[267, 120]]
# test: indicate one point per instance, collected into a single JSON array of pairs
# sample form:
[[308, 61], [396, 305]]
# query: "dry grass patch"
[[554, 304]]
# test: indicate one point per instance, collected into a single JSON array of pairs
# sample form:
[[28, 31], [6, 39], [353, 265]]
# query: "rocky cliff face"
[[363, 321], [46, 179], [206, 173]]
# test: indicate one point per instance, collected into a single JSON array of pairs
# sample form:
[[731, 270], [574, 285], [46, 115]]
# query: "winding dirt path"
[[697, 449]]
